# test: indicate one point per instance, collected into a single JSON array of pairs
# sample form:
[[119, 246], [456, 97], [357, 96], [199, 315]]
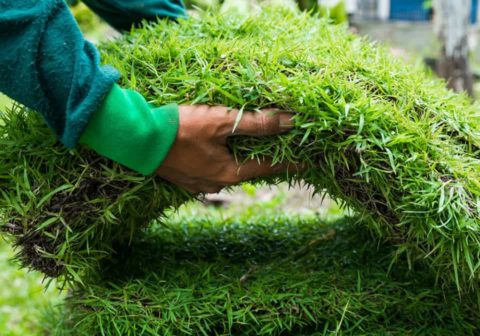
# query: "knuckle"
[[236, 179], [191, 190], [229, 180], [263, 123], [214, 190], [270, 123], [236, 176]]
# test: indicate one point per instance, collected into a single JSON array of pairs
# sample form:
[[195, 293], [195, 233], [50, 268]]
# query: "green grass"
[[64, 213], [379, 136], [261, 275], [5, 102], [92, 27]]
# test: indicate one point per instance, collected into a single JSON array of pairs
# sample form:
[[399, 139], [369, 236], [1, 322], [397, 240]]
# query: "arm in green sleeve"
[[130, 131]]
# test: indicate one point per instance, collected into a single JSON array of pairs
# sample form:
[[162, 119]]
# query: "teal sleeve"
[[131, 132], [123, 14], [47, 65]]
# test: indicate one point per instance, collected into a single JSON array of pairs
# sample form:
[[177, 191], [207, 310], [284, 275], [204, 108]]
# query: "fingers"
[[205, 187], [263, 123], [237, 174], [192, 185], [210, 188], [202, 188], [234, 174], [254, 169]]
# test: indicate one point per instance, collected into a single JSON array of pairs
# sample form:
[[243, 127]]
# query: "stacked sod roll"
[[379, 136], [261, 275]]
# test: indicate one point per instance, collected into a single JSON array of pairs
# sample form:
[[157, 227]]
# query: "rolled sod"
[[261, 276], [380, 136], [64, 209]]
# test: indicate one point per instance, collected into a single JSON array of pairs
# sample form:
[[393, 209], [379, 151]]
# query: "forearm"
[[46, 64]]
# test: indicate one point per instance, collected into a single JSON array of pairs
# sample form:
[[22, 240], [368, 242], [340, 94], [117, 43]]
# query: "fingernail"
[[286, 120]]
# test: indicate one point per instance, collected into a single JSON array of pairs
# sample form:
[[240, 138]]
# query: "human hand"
[[199, 160]]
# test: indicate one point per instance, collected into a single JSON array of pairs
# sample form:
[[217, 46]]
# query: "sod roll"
[[262, 276], [64, 209], [378, 135]]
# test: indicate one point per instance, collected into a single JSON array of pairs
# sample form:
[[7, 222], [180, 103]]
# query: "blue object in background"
[[408, 10], [473, 15], [413, 10]]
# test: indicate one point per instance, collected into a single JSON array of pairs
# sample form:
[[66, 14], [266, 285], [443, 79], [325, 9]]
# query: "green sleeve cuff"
[[130, 131]]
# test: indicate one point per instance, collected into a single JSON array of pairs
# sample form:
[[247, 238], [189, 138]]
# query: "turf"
[[378, 135], [62, 208], [269, 275]]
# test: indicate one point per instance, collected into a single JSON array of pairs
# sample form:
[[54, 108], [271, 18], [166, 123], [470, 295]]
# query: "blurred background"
[[443, 34]]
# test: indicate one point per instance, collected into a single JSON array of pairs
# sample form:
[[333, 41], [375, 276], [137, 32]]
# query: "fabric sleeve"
[[47, 65], [130, 131]]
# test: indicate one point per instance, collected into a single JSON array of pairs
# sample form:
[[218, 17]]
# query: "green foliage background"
[[23, 297]]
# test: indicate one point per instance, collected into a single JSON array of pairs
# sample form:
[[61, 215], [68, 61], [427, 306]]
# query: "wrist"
[[131, 132]]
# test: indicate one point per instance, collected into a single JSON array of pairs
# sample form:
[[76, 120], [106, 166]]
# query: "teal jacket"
[[47, 65]]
